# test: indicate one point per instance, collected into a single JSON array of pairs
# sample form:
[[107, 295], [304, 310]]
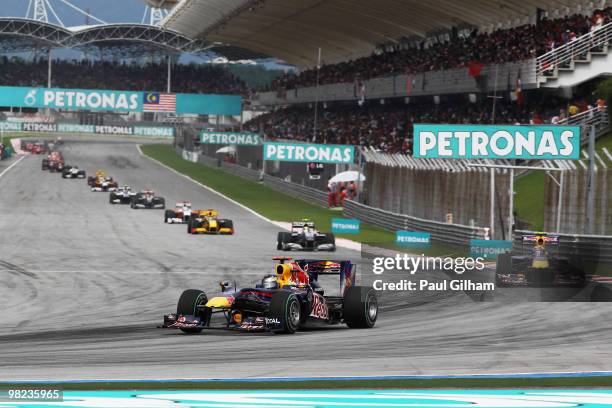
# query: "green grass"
[[529, 198], [553, 382], [273, 204]]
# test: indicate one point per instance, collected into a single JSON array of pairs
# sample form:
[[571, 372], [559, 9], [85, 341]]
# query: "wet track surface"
[[84, 283]]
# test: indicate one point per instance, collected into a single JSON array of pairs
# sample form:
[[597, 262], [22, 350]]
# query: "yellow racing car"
[[208, 222]]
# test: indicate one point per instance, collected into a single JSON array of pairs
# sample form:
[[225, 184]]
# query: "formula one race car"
[[284, 302], [304, 236], [101, 182], [180, 214], [54, 162], [121, 195], [72, 172], [538, 265], [208, 222], [35, 147], [147, 199]]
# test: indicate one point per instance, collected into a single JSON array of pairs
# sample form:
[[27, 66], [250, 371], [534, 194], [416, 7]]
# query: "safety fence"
[[574, 206], [589, 248], [437, 189], [451, 233]]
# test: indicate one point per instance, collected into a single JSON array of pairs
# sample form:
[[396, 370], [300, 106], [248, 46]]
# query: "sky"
[[112, 11]]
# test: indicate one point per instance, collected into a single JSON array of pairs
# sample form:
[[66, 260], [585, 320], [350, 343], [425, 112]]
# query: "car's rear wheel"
[[360, 307], [188, 305], [285, 307], [503, 267]]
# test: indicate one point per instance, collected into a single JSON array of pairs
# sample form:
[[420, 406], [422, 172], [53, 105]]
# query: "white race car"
[[180, 214], [122, 195]]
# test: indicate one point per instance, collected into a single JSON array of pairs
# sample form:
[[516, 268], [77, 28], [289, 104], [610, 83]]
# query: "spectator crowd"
[[85, 74], [388, 127], [501, 46]]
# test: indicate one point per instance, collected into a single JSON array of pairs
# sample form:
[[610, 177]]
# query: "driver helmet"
[[269, 282]]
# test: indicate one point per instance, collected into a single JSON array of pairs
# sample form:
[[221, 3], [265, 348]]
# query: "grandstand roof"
[[293, 30]]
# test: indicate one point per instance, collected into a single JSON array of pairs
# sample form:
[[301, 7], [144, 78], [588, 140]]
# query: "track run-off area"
[[83, 285]]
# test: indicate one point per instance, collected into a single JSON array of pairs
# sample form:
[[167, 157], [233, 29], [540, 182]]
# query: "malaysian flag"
[[159, 102]]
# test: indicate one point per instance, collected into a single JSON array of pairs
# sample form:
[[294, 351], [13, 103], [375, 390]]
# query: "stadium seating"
[[518, 43], [190, 78], [388, 127]]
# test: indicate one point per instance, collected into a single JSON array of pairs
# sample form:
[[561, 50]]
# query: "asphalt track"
[[84, 283]]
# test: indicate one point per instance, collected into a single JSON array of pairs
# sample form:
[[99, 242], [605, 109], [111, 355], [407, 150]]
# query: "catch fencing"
[[436, 189]]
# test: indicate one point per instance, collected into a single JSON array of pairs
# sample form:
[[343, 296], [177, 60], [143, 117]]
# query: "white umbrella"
[[347, 177], [227, 149]]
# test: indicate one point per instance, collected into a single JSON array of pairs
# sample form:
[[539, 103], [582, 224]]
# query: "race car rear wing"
[[543, 237], [345, 269]]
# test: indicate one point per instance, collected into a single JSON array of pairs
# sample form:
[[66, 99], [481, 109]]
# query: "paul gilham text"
[[423, 284]]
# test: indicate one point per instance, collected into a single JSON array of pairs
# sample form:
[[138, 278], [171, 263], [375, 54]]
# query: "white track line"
[[341, 242], [11, 166]]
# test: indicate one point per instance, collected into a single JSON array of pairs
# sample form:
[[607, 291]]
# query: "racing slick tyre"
[[188, 303], [168, 214], [227, 224], [503, 267], [190, 225], [111, 198], [282, 239], [331, 239], [286, 307], [360, 307]]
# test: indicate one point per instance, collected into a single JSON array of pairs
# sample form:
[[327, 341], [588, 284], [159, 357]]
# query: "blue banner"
[[119, 101], [550, 142], [412, 238], [481, 248], [304, 152], [345, 226]]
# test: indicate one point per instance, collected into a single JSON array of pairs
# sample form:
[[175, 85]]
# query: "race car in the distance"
[[54, 162], [208, 222], [288, 300], [538, 264], [121, 195], [73, 172], [35, 147], [101, 182], [180, 214], [147, 199], [304, 236]]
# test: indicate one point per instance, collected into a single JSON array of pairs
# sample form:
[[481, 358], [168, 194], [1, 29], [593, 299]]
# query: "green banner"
[[230, 138]]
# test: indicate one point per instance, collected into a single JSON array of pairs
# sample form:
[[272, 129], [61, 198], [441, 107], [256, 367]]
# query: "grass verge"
[[512, 382], [273, 204]]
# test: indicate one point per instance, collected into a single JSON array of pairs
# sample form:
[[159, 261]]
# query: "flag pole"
[[316, 107]]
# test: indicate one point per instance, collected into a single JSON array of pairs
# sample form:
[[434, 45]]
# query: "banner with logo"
[[412, 238], [304, 152], [119, 101], [489, 249], [549, 142], [230, 138], [345, 226], [165, 132]]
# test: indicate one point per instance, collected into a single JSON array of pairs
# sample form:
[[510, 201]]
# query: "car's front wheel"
[[188, 305]]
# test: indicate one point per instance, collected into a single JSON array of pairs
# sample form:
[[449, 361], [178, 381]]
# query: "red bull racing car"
[[538, 264], [289, 299]]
